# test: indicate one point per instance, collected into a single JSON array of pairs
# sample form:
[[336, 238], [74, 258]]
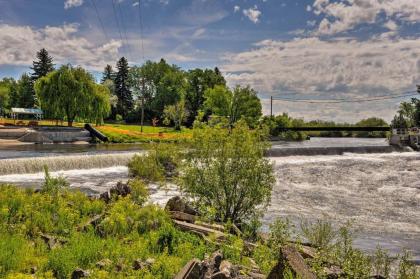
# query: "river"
[[379, 192]]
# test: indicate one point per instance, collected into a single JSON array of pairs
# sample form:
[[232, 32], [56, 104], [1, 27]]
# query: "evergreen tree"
[[26, 92], [43, 65], [125, 98], [108, 74]]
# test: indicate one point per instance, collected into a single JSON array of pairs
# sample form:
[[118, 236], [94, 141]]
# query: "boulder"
[[121, 189], [178, 204], [181, 216], [79, 273], [334, 272], [307, 252], [94, 222], [291, 259], [138, 264]]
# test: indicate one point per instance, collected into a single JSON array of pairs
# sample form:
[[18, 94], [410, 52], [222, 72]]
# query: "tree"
[[71, 92], [8, 94], [26, 92], [198, 82], [372, 122], [176, 114], [125, 98], [408, 114], [227, 173], [242, 103], [43, 65], [100, 104], [108, 74]]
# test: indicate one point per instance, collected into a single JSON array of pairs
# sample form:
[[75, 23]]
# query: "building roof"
[[27, 111]]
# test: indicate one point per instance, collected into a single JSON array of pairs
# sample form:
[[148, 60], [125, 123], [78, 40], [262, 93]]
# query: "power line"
[[335, 101], [141, 29], [124, 29], [100, 20], [117, 21]]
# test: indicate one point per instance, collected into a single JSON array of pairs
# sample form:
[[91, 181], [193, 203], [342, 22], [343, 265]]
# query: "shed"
[[38, 113]]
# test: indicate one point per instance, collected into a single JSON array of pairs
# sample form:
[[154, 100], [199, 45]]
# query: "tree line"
[[157, 92], [169, 95]]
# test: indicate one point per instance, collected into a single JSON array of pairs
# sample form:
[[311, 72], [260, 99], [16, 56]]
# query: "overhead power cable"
[[117, 21], [124, 29], [359, 100], [141, 29], [100, 20]]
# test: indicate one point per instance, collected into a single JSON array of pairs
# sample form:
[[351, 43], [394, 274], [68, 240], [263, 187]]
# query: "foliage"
[[407, 269], [108, 74], [320, 233], [122, 89], [198, 81], [43, 65], [26, 92], [408, 115], [280, 234], [130, 232], [71, 92], [176, 114], [277, 124], [241, 103], [139, 191], [381, 262], [53, 185], [226, 170], [372, 122], [159, 162]]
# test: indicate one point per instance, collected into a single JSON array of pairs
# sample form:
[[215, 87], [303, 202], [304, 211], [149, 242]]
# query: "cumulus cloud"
[[344, 15], [20, 43], [325, 69], [236, 9], [252, 14], [72, 3]]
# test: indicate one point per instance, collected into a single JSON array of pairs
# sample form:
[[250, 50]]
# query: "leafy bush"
[[53, 185], [226, 170], [139, 192], [280, 234], [82, 251], [321, 233], [158, 163]]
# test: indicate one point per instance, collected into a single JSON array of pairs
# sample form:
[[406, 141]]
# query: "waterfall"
[[336, 150], [70, 162]]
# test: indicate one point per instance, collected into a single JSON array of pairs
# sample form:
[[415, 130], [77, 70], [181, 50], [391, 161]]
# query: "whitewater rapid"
[[379, 193]]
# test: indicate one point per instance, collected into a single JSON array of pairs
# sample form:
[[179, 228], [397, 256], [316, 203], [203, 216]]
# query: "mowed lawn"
[[131, 133]]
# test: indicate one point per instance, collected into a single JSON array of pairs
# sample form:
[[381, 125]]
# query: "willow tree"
[[100, 105], [71, 93]]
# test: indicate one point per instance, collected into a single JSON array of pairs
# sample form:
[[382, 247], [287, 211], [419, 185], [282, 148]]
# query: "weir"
[[55, 163]]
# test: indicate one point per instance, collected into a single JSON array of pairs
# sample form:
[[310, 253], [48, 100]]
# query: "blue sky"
[[318, 49]]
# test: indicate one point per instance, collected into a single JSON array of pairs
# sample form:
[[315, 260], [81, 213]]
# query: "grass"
[[119, 133], [122, 133]]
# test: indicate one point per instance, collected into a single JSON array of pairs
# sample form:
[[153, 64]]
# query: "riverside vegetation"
[[55, 231]]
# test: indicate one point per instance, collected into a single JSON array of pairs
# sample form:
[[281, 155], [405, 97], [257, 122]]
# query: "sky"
[[289, 49]]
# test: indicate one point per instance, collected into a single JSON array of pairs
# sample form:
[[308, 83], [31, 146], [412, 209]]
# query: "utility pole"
[[271, 106], [142, 105]]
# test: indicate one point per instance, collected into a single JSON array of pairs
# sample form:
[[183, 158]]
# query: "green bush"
[[280, 234], [139, 192], [226, 170], [82, 251], [53, 185], [320, 233]]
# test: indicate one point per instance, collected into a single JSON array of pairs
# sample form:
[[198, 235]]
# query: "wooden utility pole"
[[142, 105], [271, 106]]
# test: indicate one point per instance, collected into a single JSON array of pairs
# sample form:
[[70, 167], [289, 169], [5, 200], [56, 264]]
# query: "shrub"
[[139, 192], [280, 234], [406, 268], [381, 262], [158, 163], [53, 185], [82, 251], [226, 170], [321, 234]]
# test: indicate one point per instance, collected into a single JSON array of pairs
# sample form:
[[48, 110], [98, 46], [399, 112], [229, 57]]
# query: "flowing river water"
[[358, 180]]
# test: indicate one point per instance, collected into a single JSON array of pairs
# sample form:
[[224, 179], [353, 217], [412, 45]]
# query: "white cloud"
[[20, 43], [342, 68], [391, 25], [136, 4], [344, 15], [236, 9], [253, 14], [72, 3]]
